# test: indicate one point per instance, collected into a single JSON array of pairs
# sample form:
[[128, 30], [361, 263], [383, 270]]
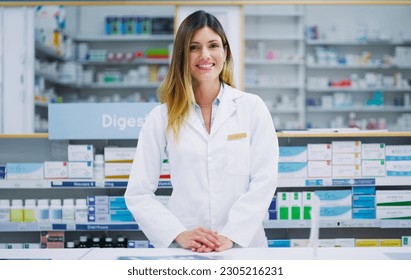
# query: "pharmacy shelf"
[[42, 184], [354, 42], [336, 223], [272, 62], [46, 51], [311, 109], [71, 226], [294, 86], [350, 66], [159, 61], [344, 182], [117, 38], [262, 13], [120, 86], [350, 89], [273, 37]]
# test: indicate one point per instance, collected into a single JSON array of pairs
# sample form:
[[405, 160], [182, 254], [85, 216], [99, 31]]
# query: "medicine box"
[[373, 168], [363, 201], [356, 190], [319, 169], [80, 169], [398, 168], [117, 170], [307, 202], [295, 205], [55, 169], [2, 171], [119, 154], [346, 147], [393, 212], [334, 198], [390, 242], [367, 243], [80, 153], [346, 171], [117, 203], [393, 198], [406, 241], [373, 151], [335, 212], [97, 200], [98, 218], [346, 159], [319, 152], [279, 243], [293, 154], [292, 170], [397, 152], [24, 171], [283, 205], [364, 213]]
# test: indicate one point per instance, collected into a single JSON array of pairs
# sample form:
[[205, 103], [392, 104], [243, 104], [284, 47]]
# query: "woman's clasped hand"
[[203, 240]]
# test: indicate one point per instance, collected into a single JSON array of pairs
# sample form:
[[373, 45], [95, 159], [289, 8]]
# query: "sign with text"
[[97, 120]]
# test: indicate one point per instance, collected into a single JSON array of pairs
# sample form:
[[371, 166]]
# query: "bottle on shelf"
[[56, 211], [81, 210], [16, 211], [68, 210], [98, 167], [43, 210], [121, 242], [4, 210], [30, 211], [96, 242], [83, 242], [108, 242]]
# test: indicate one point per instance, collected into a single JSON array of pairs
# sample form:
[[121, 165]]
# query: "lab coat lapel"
[[226, 108], [195, 123]]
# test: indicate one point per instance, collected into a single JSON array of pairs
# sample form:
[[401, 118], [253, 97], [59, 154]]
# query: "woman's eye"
[[193, 47], [213, 46]]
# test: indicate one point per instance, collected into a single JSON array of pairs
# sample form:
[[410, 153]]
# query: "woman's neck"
[[206, 93]]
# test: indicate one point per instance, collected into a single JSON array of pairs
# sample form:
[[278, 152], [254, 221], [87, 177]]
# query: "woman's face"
[[207, 55]]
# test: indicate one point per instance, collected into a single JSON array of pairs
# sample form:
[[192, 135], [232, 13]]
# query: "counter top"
[[357, 253]]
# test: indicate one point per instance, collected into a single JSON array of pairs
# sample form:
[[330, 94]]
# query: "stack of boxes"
[[319, 160], [335, 204], [373, 160], [398, 160], [292, 162], [108, 209], [395, 204], [346, 159], [363, 202], [80, 161], [118, 162]]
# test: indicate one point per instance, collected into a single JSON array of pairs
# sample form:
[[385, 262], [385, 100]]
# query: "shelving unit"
[[274, 61], [38, 148], [341, 228]]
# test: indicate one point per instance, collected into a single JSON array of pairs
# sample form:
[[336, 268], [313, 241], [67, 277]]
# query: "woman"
[[221, 146]]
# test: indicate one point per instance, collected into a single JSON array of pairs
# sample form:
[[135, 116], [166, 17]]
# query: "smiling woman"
[[216, 139]]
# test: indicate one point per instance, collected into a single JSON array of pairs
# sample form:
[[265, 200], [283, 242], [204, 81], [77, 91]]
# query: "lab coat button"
[[210, 158]]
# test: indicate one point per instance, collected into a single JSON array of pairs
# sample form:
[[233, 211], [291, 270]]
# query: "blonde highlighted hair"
[[176, 91]]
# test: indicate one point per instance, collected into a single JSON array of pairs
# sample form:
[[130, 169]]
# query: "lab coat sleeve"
[[247, 213], [159, 225]]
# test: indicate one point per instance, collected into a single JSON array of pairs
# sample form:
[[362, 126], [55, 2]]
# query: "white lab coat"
[[223, 181]]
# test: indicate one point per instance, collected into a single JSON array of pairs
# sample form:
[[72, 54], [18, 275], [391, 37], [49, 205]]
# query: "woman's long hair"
[[177, 88]]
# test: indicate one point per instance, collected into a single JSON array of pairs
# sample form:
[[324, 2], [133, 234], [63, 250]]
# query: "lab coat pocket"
[[238, 156]]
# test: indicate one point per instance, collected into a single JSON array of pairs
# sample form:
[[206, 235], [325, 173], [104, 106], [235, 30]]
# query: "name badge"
[[237, 136]]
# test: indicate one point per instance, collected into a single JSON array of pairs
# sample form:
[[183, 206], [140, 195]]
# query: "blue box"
[[279, 243], [273, 204], [2, 172], [117, 203], [272, 214], [363, 190], [363, 201], [363, 213]]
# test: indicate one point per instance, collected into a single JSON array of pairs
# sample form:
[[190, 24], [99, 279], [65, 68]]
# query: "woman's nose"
[[205, 52]]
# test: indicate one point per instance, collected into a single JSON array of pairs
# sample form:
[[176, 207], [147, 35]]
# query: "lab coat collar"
[[226, 108]]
